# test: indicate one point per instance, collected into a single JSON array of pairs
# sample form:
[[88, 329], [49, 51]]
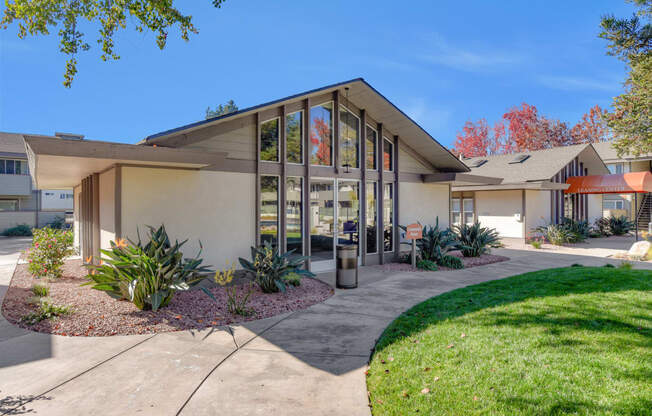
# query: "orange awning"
[[624, 183]]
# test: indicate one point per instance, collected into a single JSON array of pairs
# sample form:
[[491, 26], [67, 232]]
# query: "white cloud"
[[429, 117], [468, 59], [566, 83]]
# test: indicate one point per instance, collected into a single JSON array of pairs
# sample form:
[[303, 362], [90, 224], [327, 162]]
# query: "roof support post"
[[380, 220], [362, 222], [336, 131], [95, 184], [117, 200], [307, 152], [283, 183], [257, 187], [395, 230]]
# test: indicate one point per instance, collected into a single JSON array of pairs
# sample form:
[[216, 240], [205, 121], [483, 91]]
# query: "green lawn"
[[576, 340]]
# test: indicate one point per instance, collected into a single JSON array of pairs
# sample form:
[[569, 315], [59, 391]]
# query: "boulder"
[[640, 250]]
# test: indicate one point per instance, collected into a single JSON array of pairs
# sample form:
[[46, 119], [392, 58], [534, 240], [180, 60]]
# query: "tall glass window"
[[349, 139], [8, 205], [348, 203], [388, 217], [457, 211], [10, 167], [321, 134], [371, 226], [388, 155], [269, 133], [322, 216], [467, 207], [294, 215], [372, 138], [294, 137], [269, 209]]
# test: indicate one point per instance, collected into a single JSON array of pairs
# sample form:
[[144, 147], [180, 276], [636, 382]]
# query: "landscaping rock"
[[640, 250]]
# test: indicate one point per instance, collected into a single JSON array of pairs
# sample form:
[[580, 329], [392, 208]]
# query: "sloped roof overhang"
[[362, 95], [538, 186], [62, 163], [460, 179], [625, 183]]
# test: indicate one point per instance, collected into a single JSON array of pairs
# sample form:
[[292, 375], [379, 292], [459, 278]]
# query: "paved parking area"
[[306, 362]]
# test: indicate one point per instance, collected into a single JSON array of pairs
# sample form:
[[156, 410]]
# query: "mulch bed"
[[467, 261], [97, 314]]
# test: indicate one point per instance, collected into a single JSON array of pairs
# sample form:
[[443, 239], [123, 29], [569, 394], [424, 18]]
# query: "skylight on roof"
[[519, 159], [478, 163]]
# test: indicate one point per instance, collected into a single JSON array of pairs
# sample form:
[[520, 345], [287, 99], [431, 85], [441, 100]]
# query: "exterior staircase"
[[643, 216]]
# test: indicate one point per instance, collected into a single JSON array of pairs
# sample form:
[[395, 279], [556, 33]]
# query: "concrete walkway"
[[309, 362]]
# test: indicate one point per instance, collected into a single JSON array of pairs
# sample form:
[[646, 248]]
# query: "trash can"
[[347, 266]]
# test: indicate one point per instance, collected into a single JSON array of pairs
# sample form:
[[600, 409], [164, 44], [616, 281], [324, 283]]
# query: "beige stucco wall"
[[107, 208], [595, 207], [10, 219], [537, 209], [217, 208], [423, 202], [496, 209]]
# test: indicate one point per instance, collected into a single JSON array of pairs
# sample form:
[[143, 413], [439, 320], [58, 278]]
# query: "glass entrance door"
[[334, 219]]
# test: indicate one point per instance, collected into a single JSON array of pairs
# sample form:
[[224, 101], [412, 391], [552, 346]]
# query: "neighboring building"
[[614, 204], [20, 203], [532, 191], [304, 172]]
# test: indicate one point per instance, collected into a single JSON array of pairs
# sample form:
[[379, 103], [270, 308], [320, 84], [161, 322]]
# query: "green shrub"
[[235, 304], [146, 274], [21, 230], [293, 279], [435, 243], [40, 290], [620, 225], [625, 265], [577, 265], [536, 243], [451, 262], [57, 223], [46, 310], [601, 227], [556, 234], [269, 267], [49, 249], [578, 231], [427, 265], [609, 265], [475, 240]]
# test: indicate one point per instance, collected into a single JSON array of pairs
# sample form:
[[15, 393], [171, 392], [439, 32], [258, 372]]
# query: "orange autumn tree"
[[320, 137]]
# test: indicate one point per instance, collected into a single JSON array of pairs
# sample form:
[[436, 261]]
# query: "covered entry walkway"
[[625, 183]]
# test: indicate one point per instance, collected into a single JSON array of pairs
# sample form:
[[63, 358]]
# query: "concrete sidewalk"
[[306, 362]]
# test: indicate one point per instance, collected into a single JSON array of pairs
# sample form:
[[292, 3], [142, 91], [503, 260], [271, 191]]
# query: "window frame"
[[391, 155], [302, 215], [375, 159], [348, 110], [278, 144], [392, 217], [278, 209], [16, 202], [374, 186], [301, 139], [332, 127]]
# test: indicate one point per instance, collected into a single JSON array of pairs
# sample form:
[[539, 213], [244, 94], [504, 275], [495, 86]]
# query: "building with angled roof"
[[531, 192]]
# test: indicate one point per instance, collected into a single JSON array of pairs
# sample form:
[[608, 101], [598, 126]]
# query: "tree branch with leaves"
[[39, 17]]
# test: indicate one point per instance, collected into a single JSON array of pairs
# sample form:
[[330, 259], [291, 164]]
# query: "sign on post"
[[414, 232]]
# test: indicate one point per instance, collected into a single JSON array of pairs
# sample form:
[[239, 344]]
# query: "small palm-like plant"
[[270, 268], [146, 274], [435, 242], [620, 225], [476, 240], [556, 234]]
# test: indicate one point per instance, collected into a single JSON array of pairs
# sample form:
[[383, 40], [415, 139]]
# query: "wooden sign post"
[[414, 232]]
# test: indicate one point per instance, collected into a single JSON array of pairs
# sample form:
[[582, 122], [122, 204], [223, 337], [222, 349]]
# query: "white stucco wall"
[[423, 202], [107, 208], [537, 209], [595, 207], [217, 208], [76, 216], [496, 209]]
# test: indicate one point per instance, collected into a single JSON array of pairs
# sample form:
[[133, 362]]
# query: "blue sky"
[[441, 62]]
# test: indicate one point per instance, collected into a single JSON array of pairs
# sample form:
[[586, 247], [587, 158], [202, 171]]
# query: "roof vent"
[[519, 159], [69, 136], [478, 163]]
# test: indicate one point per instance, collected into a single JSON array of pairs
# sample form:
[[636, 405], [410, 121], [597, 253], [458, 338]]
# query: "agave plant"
[[476, 240], [271, 268], [620, 225], [556, 234], [147, 275], [435, 243], [578, 230]]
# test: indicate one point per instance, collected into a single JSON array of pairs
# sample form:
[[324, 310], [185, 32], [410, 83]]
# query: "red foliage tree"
[[592, 127], [473, 140], [522, 126], [320, 137]]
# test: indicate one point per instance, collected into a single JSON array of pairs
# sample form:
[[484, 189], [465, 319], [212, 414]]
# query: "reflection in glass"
[[321, 134], [457, 211], [349, 139], [293, 212], [294, 136], [269, 140], [371, 148], [388, 155], [321, 219], [467, 205], [372, 227], [269, 209], [388, 216], [348, 212]]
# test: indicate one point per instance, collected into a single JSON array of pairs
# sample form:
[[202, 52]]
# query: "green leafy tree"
[[38, 17], [221, 110], [630, 39]]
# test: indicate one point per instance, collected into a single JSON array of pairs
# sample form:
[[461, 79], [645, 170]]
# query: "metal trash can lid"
[[347, 246]]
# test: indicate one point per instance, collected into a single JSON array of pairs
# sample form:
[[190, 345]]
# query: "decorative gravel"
[[97, 314], [467, 261]]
